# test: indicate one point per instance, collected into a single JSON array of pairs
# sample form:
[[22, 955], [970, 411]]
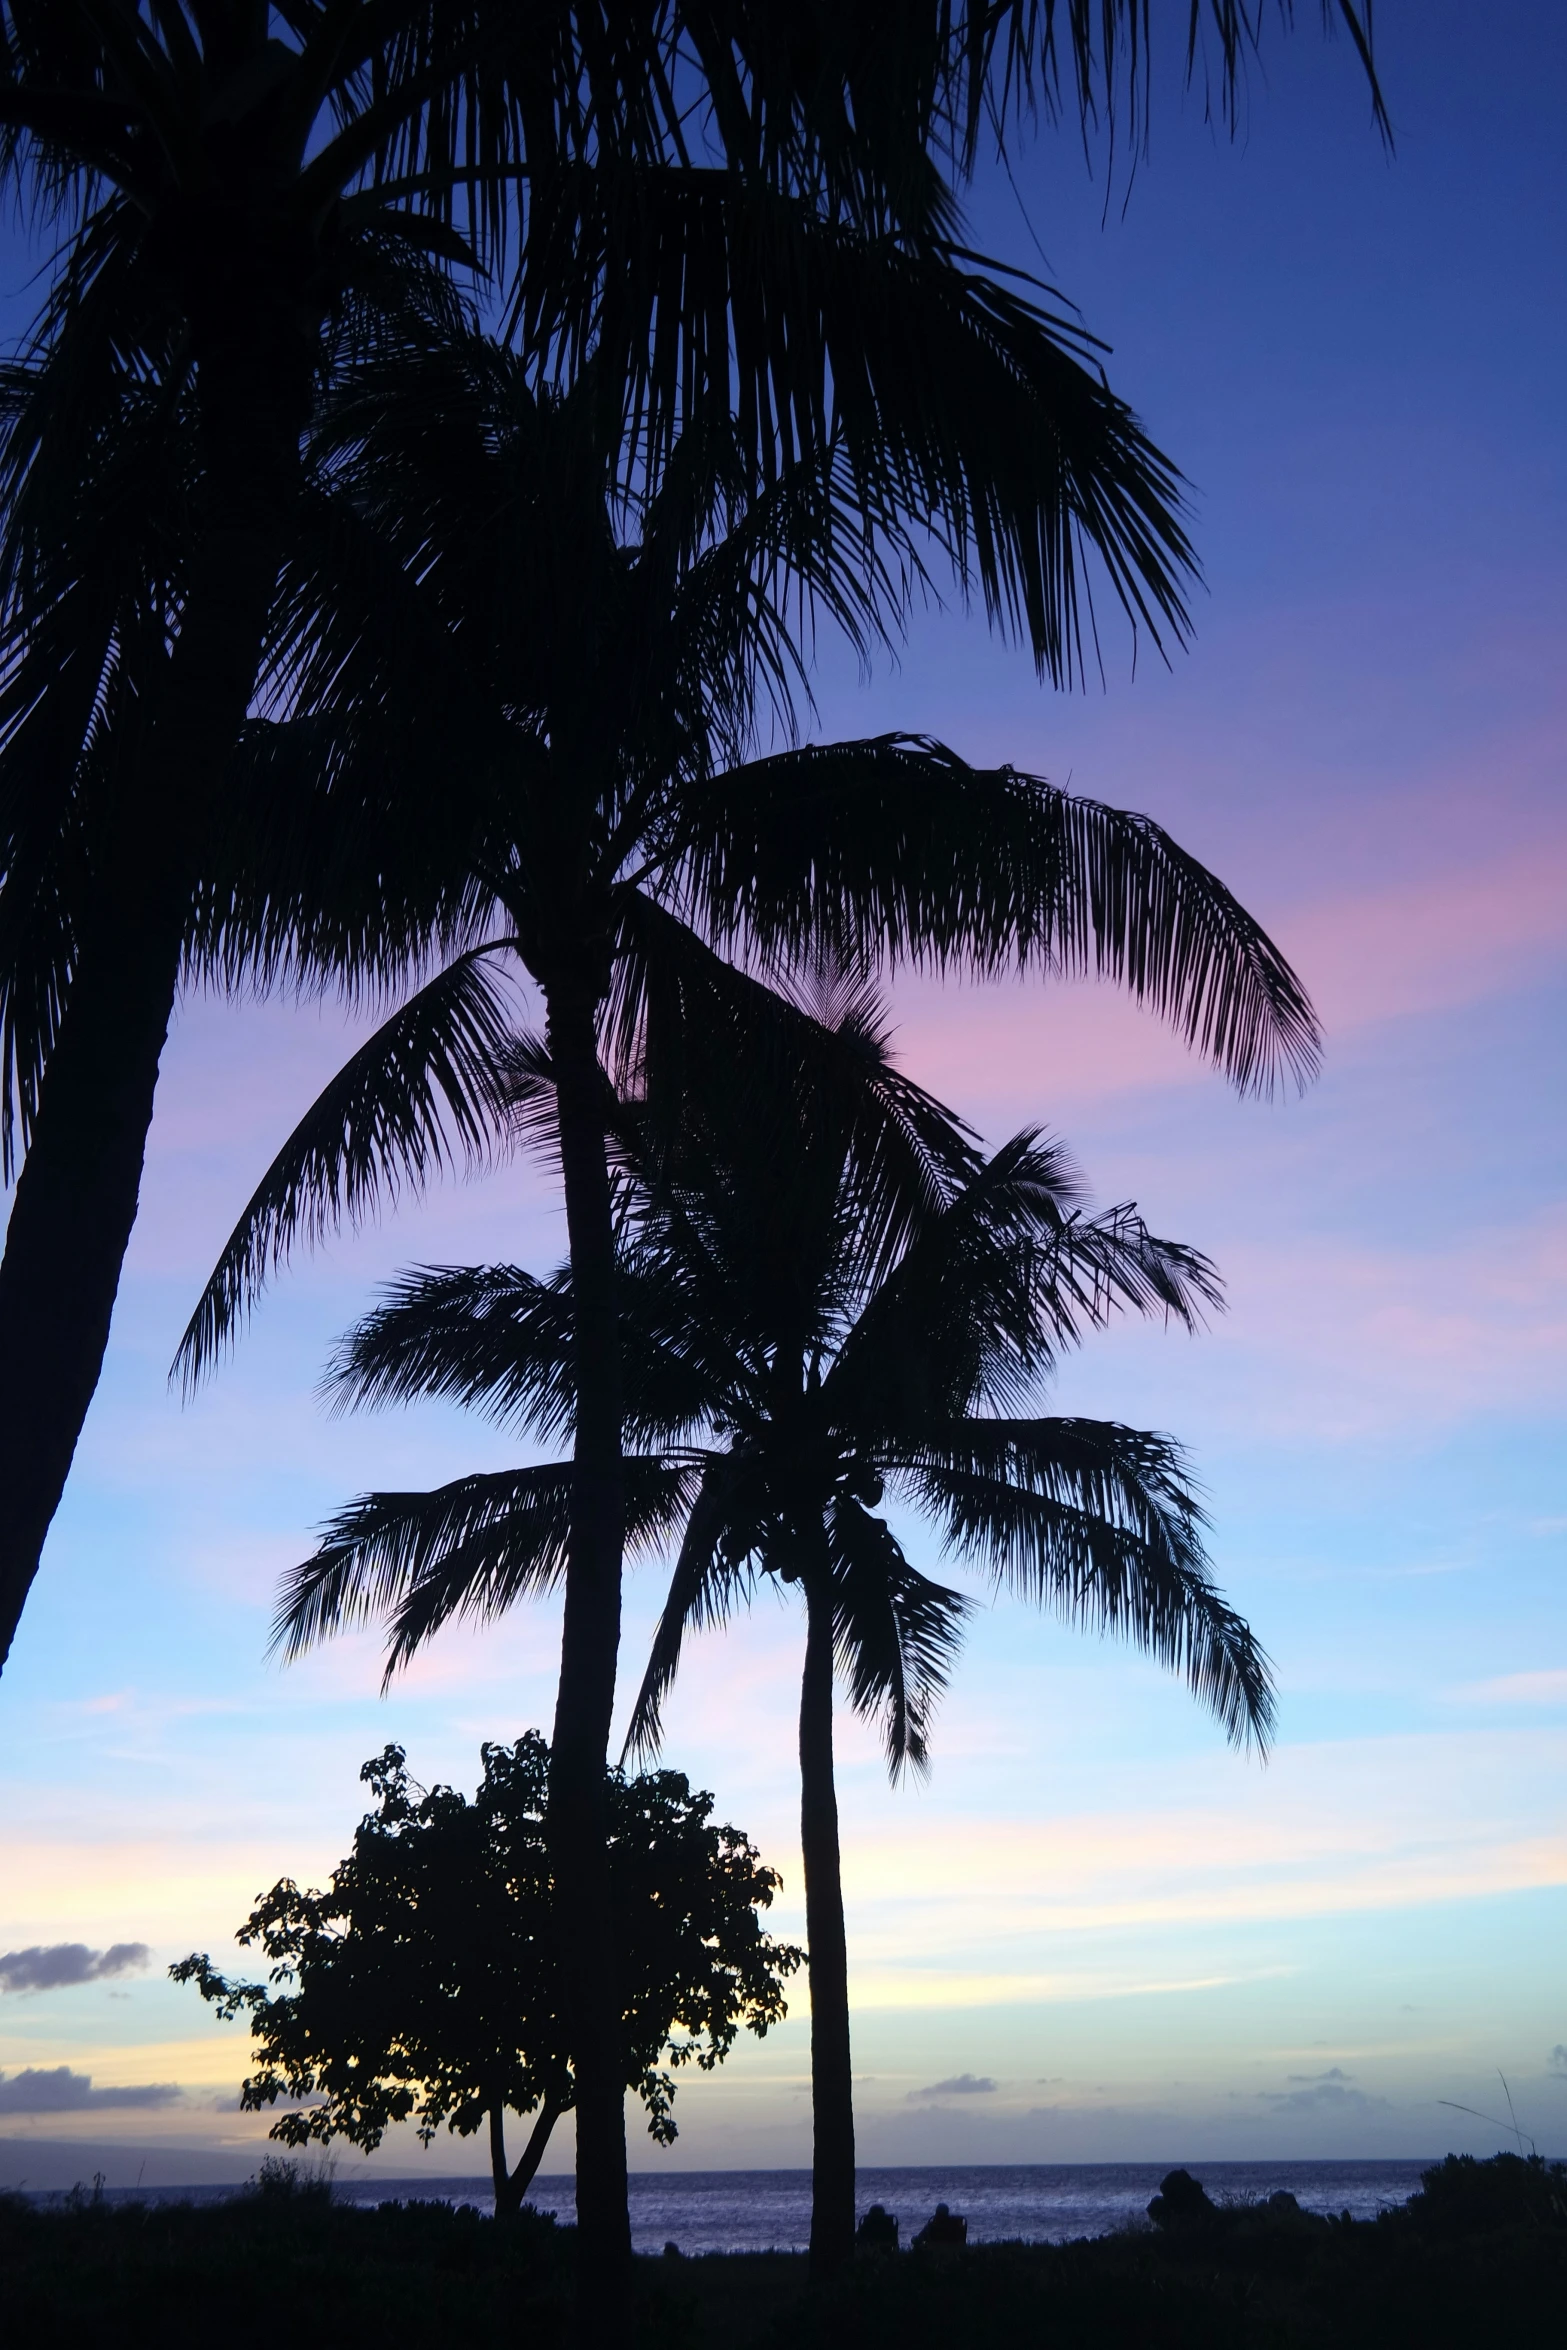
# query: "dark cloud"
[[961, 2085], [1332, 2074], [1559, 2058], [53, 1966], [62, 2091]]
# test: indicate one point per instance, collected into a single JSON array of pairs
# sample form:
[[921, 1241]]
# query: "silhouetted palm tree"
[[840, 1378], [802, 1331]]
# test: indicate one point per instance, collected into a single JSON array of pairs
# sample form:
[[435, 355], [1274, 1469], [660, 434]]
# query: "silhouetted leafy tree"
[[424, 1983]]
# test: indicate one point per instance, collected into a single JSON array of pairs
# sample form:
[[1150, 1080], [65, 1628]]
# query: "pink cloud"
[[1361, 1339], [1446, 940]]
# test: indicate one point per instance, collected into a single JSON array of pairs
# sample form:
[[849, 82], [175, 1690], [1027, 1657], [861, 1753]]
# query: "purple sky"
[[1149, 1945]]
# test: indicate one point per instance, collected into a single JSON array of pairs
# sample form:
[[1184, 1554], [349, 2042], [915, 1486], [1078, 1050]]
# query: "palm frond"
[[471, 1548], [496, 505], [1100, 1523], [497, 1339], [422, 1091], [895, 1632], [490, 1337], [956, 396], [1094, 60], [978, 1308], [1112, 1260], [748, 577], [479, 1537], [290, 899], [718, 1053], [713, 1574], [895, 848], [95, 474], [960, 78]]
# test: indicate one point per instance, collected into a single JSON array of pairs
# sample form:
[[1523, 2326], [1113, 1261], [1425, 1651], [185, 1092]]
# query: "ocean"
[[769, 2210]]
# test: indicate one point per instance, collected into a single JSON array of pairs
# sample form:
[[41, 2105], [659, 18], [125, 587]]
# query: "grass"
[[1481, 2253]]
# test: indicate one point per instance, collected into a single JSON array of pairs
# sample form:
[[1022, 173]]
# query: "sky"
[[1095, 1932]]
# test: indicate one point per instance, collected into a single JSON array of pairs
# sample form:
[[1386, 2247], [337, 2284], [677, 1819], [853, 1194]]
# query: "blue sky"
[[1149, 1946]]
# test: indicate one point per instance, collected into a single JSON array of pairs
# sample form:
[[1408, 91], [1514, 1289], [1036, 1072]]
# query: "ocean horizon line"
[[767, 2209]]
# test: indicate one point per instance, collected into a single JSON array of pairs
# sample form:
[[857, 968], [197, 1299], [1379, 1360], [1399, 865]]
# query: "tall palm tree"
[[842, 1376], [796, 1340], [578, 673]]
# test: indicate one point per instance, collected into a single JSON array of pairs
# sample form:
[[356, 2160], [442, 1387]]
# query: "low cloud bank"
[[59, 2090], [961, 2085], [1327, 2093], [55, 1966]]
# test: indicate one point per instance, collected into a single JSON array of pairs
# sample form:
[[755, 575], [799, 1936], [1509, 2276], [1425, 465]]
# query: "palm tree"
[[802, 1332], [840, 1378], [481, 622]]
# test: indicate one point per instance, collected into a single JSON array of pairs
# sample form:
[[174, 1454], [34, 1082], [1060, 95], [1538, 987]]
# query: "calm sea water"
[[754, 2211], [763, 2210]]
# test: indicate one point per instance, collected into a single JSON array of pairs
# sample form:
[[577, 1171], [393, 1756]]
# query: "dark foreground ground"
[[1479, 2257]]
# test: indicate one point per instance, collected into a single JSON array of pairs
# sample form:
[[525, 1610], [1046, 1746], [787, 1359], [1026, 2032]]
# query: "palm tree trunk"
[[590, 1644], [832, 2087], [76, 1199], [511, 2185], [70, 1225]]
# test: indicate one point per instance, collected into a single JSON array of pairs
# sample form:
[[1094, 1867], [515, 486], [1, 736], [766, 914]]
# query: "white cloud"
[[1542, 1688]]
